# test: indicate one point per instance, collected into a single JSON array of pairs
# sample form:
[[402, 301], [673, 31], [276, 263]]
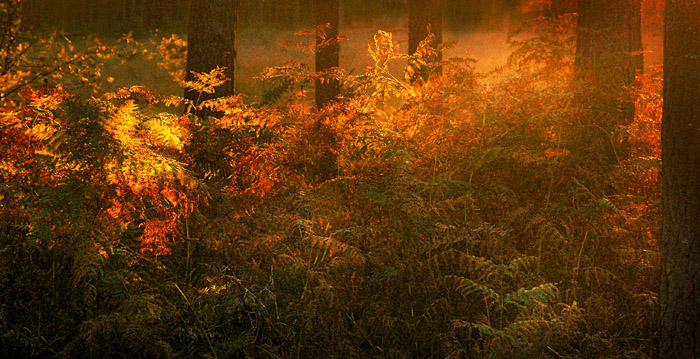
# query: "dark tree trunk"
[[424, 17], [153, 13], [211, 42], [326, 17], [679, 318], [609, 47], [327, 50]]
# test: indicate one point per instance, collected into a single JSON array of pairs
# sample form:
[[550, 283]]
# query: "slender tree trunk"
[[424, 18], [91, 13], [153, 13], [125, 12], [297, 14], [679, 318], [211, 42], [424, 15], [327, 50], [609, 48]]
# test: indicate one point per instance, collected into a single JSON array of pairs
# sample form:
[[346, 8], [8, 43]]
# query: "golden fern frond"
[[123, 123], [159, 131], [41, 132], [207, 82], [172, 101]]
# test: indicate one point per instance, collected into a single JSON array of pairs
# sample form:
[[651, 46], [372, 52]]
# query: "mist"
[[354, 179]]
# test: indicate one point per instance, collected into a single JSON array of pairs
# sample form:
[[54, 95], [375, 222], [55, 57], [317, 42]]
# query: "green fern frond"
[[535, 296], [470, 288], [480, 329], [522, 265]]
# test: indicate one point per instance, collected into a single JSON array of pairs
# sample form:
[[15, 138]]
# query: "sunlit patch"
[[155, 236]]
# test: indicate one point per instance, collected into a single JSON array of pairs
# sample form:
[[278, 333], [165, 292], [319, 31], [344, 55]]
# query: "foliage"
[[469, 216], [52, 61]]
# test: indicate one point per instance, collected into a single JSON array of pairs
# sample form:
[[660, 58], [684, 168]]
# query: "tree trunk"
[[327, 50], [609, 48], [424, 18], [679, 318], [211, 42], [153, 13]]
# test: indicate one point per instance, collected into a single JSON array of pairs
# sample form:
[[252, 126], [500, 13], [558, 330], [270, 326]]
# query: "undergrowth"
[[470, 216]]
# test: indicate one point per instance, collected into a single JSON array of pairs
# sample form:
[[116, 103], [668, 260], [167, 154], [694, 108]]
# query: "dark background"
[[108, 16]]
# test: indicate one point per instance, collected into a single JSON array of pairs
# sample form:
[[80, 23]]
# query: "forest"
[[350, 179]]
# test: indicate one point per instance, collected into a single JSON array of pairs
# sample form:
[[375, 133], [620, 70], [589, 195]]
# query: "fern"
[[207, 82]]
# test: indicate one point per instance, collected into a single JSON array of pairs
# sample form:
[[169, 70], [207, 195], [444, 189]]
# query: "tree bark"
[[327, 50], [679, 318], [609, 48], [153, 14], [211, 42], [425, 17]]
